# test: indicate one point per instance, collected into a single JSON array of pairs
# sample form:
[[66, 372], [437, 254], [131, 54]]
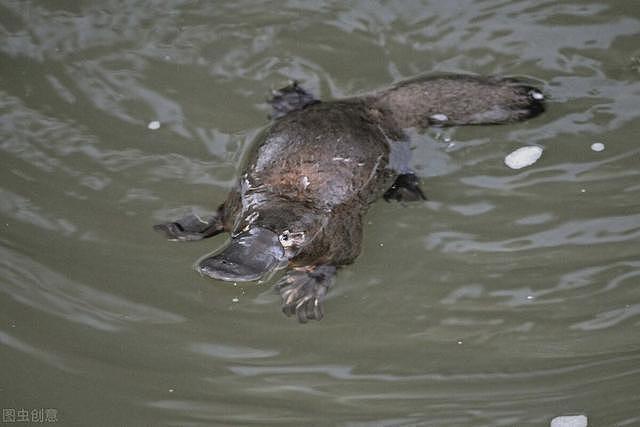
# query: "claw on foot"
[[303, 292]]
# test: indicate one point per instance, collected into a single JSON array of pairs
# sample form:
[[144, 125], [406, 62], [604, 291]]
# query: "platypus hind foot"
[[406, 188], [290, 98], [191, 227], [303, 292]]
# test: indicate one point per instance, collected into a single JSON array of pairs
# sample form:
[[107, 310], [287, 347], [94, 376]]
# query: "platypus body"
[[300, 201]]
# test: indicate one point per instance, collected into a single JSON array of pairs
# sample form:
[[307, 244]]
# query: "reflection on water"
[[588, 232], [583, 173], [507, 299], [231, 352], [20, 346], [36, 286]]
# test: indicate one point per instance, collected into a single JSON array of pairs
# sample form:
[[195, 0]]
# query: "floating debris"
[[522, 157], [569, 421], [597, 146], [538, 96], [236, 299], [439, 118], [153, 125]]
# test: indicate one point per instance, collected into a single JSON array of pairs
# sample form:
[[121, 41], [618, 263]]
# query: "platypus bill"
[[300, 201]]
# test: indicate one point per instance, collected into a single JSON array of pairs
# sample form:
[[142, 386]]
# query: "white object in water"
[[525, 156], [439, 117], [597, 146], [569, 421], [538, 96], [153, 125]]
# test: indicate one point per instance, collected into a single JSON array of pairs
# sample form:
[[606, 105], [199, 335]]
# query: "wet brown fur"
[[332, 159], [317, 169]]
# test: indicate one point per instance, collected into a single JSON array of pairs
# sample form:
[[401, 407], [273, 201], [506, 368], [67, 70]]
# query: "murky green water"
[[507, 299]]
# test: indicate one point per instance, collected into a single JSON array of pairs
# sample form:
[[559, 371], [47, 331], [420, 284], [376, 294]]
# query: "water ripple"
[[49, 358], [34, 285], [575, 233], [566, 172], [344, 372], [22, 209], [221, 351]]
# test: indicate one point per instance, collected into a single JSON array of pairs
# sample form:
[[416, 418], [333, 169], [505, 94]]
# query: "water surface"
[[508, 298]]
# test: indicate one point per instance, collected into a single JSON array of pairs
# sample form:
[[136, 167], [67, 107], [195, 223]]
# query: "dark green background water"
[[507, 299]]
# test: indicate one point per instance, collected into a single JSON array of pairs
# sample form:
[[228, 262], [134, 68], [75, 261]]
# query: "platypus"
[[300, 200]]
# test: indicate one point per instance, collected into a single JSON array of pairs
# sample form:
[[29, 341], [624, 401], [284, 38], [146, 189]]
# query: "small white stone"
[[236, 299], [522, 157], [439, 117], [153, 125], [171, 390], [597, 146], [536, 95], [569, 421]]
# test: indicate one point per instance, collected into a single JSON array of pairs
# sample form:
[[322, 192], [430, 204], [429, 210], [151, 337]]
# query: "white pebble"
[[522, 157], [536, 95], [236, 299], [569, 421], [597, 146], [153, 125], [439, 117]]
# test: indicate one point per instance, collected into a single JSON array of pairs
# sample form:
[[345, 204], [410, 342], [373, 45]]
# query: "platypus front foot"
[[191, 227], [303, 292], [406, 188]]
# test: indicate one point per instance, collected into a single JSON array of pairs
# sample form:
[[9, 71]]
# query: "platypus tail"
[[460, 100]]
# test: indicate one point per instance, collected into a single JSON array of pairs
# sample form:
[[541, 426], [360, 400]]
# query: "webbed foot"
[[191, 227], [290, 98], [406, 188], [303, 292]]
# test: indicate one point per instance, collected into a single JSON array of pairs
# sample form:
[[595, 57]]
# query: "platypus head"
[[266, 240]]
